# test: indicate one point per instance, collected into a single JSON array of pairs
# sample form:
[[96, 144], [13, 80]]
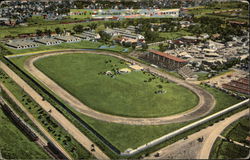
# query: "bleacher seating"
[[186, 72]]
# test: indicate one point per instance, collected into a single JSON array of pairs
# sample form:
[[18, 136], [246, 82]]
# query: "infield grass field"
[[129, 94]]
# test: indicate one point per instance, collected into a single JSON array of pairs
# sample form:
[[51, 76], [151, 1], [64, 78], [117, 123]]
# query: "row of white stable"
[[48, 41]]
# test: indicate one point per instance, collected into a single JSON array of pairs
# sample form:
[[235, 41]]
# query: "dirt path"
[[63, 121], [235, 142], [191, 148], [42, 141], [206, 100], [217, 130]]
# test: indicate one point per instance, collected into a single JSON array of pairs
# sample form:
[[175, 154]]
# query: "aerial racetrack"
[[89, 81]]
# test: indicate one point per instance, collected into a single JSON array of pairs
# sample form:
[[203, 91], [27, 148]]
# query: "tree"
[[78, 28], [100, 28], [134, 45], [92, 26], [151, 36], [58, 30], [47, 32], [162, 48], [144, 46], [104, 36], [39, 32]]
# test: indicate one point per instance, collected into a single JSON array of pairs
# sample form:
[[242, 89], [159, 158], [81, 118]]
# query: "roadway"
[[191, 148]]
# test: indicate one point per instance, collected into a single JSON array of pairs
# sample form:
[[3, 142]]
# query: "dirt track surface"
[[63, 121], [191, 148], [205, 105]]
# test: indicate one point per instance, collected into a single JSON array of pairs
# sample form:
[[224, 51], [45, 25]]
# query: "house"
[[68, 39], [189, 39], [132, 29], [21, 44], [204, 36], [48, 41], [211, 54], [125, 35]]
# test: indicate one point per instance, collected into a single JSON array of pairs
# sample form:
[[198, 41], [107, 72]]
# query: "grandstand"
[[187, 73], [165, 60], [241, 85]]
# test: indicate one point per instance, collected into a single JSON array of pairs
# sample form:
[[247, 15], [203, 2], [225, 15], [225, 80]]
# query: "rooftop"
[[168, 56]]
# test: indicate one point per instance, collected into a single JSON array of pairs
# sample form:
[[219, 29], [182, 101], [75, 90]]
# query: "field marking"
[[205, 105]]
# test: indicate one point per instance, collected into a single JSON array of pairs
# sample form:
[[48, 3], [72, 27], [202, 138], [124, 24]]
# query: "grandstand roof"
[[168, 56]]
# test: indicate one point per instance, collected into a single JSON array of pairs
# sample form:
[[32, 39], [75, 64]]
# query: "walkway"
[[34, 120]]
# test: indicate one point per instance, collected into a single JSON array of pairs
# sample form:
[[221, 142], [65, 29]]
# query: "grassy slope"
[[65, 139], [14, 144], [126, 94], [127, 136], [226, 150], [239, 130]]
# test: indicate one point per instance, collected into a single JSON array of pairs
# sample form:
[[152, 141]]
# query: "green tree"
[[58, 30], [47, 32], [92, 26], [134, 45], [104, 36], [39, 32], [144, 46], [78, 28]]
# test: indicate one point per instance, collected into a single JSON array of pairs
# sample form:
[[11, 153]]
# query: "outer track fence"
[[183, 129]]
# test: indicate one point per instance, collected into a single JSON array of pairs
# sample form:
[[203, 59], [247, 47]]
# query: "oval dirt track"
[[205, 105]]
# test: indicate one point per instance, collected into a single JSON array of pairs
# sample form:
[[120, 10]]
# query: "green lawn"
[[49, 123], [227, 150], [125, 95], [174, 35], [15, 145], [239, 130], [133, 136]]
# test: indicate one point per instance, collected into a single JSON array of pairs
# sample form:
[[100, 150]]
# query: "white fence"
[[183, 129]]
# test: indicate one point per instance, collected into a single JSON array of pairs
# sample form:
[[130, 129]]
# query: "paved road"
[[191, 148], [205, 105], [63, 121]]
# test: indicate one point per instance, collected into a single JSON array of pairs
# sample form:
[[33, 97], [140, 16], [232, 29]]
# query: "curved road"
[[217, 130], [205, 105]]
